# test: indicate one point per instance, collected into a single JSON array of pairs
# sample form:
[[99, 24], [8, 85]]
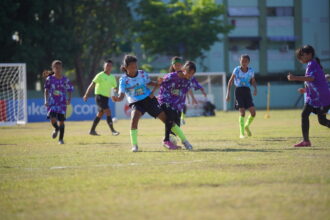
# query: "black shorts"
[[58, 116], [102, 102], [149, 105], [318, 111], [243, 98], [171, 114]]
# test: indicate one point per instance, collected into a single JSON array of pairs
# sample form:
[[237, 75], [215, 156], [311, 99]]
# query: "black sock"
[[168, 127], [61, 132], [109, 121], [55, 126], [95, 123]]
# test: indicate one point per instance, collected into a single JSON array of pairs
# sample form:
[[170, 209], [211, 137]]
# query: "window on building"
[[243, 11], [280, 11]]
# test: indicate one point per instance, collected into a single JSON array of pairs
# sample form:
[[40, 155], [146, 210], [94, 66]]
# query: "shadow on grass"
[[237, 150]]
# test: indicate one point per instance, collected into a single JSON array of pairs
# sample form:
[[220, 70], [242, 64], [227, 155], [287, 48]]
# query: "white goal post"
[[214, 84], [13, 94]]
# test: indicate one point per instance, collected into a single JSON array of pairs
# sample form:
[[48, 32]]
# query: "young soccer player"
[[316, 89], [172, 95], [103, 83], [176, 65], [56, 88], [134, 84], [243, 77]]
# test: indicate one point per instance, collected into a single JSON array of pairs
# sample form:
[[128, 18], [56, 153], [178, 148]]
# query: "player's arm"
[[292, 77], [69, 98], [118, 98], [46, 94], [254, 84], [89, 89], [230, 83]]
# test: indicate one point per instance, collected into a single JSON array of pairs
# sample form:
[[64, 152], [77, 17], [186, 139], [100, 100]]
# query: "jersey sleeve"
[[168, 77], [122, 85], [252, 73], [310, 71], [47, 83], [236, 71], [69, 86], [114, 82], [97, 78], [195, 84], [146, 78]]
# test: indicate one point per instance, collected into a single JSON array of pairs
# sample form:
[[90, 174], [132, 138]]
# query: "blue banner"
[[78, 110]]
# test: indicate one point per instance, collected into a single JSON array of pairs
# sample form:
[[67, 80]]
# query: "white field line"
[[117, 165]]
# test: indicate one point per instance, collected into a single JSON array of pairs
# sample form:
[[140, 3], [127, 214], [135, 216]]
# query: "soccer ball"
[[173, 139], [114, 119]]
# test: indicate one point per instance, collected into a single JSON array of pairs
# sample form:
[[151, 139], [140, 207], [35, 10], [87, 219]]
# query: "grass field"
[[262, 177]]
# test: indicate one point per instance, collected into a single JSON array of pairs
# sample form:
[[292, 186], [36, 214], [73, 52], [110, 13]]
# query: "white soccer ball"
[[114, 119], [173, 139]]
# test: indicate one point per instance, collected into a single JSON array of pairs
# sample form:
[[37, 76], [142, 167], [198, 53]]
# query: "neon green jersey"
[[104, 83]]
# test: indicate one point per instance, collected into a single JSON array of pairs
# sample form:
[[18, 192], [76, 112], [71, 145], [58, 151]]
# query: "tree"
[[184, 28], [78, 32]]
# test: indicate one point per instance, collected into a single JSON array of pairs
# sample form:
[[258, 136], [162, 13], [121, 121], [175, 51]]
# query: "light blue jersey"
[[135, 88], [243, 79]]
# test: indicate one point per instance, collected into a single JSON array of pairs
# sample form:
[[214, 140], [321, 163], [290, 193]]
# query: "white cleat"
[[242, 136], [60, 142], [187, 145], [135, 148]]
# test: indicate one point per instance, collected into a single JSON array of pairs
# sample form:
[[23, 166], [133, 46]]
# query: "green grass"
[[262, 177]]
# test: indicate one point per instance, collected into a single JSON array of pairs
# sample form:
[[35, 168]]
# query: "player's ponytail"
[[319, 62], [128, 59], [47, 73]]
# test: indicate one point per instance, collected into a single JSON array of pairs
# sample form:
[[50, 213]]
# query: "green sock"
[[134, 133], [241, 125], [249, 121], [178, 132]]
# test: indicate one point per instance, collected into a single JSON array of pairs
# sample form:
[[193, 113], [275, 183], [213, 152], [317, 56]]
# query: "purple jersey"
[[317, 91], [57, 89], [173, 90]]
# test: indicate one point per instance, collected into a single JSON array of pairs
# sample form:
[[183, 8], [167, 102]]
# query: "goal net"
[[13, 95], [214, 84]]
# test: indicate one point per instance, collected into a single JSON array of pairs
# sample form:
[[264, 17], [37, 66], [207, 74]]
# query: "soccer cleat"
[[135, 148], [94, 133], [115, 133], [187, 145], [60, 142], [248, 132], [54, 135], [303, 144], [169, 145], [182, 121], [241, 136]]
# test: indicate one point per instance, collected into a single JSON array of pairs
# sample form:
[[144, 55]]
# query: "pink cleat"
[[303, 144], [169, 145]]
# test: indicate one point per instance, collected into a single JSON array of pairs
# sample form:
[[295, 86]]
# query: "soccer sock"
[[109, 121], [178, 132], [183, 116], [95, 123], [61, 132], [241, 125], [55, 126], [134, 133], [168, 127], [249, 121]]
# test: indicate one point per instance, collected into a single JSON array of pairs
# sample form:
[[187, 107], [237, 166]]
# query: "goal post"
[[13, 94]]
